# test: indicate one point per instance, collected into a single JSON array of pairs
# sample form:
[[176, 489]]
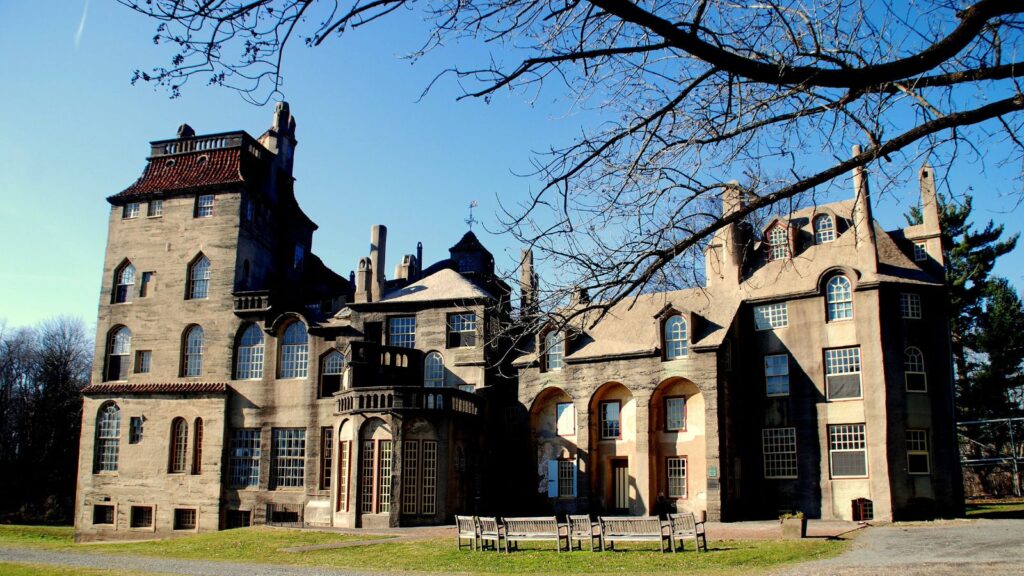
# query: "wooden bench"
[[467, 529], [583, 528], [634, 529], [489, 529], [543, 529], [684, 526]]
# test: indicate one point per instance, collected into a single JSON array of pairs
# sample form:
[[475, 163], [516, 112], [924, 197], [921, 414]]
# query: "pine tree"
[[999, 342]]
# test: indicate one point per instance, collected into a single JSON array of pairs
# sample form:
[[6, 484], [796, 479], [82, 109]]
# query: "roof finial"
[[471, 220]]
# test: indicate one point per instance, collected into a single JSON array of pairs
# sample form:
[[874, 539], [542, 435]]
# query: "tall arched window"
[[913, 370], [197, 446], [554, 350], [179, 446], [124, 283], [433, 371], [199, 278], [676, 341], [824, 229], [778, 243], [119, 348], [839, 299], [192, 359], [108, 436], [249, 353], [332, 366], [294, 351]]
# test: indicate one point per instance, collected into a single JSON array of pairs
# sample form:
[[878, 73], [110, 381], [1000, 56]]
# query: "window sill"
[[834, 400]]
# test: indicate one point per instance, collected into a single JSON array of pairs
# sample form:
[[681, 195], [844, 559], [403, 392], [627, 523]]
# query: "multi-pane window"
[[300, 256], [135, 430], [103, 514], [332, 366], [920, 252], [554, 351], [141, 517], [179, 446], [778, 445], [848, 451], [197, 446], [288, 457], [565, 419], [776, 374], [778, 243], [108, 437], [402, 332], [429, 500], [125, 284], [366, 495], [184, 518], [676, 471], [676, 342], [199, 278], [244, 457], [326, 456], [839, 299], [143, 359], [918, 460], [824, 229], [118, 352], [204, 206], [910, 306], [566, 478], [249, 354], [192, 359], [384, 476], [461, 330], [610, 423], [147, 283], [155, 208], [675, 413], [433, 371], [771, 316], [130, 210], [913, 370], [294, 352], [842, 373], [410, 476], [344, 455]]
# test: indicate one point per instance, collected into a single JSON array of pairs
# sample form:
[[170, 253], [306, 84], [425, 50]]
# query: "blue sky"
[[74, 131]]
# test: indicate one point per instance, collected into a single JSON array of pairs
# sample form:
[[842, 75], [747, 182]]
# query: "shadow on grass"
[[996, 514]]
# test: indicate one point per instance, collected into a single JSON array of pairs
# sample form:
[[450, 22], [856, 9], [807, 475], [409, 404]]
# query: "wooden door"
[[620, 485]]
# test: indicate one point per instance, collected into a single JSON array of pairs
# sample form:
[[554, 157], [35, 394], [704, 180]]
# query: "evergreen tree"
[[997, 383]]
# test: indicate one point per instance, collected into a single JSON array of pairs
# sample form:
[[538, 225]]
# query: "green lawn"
[[1011, 508], [43, 570], [264, 545]]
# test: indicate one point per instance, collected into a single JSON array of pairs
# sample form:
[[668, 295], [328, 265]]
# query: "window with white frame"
[[554, 350], [332, 367], [461, 330], [118, 353], [610, 423], [204, 206], [913, 370], [778, 446], [143, 360], [124, 285], [565, 419], [402, 331], [326, 456], [155, 208], [429, 487], [384, 476], [842, 373], [675, 469], [294, 351], [179, 446], [566, 478], [192, 358], [199, 278], [920, 252], [771, 316], [249, 354], [824, 229], [244, 457], [918, 459], [778, 243], [776, 374], [130, 210], [848, 451], [910, 306], [675, 413], [366, 474], [839, 299], [676, 341], [410, 475], [288, 457], [108, 438], [433, 371], [344, 455]]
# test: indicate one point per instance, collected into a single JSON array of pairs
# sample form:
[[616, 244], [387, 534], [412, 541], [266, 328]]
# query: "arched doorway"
[[613, 457], [376, 456], [678, 465], [553, 429], [419, 490]]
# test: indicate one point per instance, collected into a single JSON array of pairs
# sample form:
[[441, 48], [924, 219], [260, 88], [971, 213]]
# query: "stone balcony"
[[254, 302], [406, 399]]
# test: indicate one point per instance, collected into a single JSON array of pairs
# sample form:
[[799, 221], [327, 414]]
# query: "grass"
[[264, 546], [9, 569], [1010, 508]]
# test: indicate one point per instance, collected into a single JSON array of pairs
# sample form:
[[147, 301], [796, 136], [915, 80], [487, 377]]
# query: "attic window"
[[824, 229], [676, 342], [778, 243], [169, 162], [202, 159], [554, 350]]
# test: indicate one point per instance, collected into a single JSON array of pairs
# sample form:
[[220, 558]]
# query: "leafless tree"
[[696, 96]]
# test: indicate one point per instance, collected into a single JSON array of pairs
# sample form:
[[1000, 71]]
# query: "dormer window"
[[824, 229], [778, 243], [676, 337], [554, 350]]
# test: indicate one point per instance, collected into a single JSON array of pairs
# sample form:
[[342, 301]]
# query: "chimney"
[[186, 131], [363, 281], [378, 254], [579, 297], [280, 138], [419, 259], [723, 260], [527, 284], [863, 222], [406, 268], [932, 228]]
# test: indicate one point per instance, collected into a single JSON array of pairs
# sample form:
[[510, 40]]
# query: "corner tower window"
[[130, 211], [108, 437], [204, 206], [118, 350], [124, 283], [192, 359], [179, 446], [676, 342], [839, 299], [332, 366], [199, 278]]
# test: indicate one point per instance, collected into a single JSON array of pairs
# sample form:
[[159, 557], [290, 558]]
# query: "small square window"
[[141, 517], [920, 252], [771, 316], [238, 519], [130, 210], [103, 514], [146, 286], [184, 518], [142, 360], [461, 330], [204, 206], [135, 430], [917, 452], [910, 306], [155, 208], [610, 424]]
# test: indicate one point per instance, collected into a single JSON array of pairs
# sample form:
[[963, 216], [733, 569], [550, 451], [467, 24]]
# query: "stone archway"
[[614, 459], [678, 447]]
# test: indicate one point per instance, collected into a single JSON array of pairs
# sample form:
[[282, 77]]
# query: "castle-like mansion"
[[240, 381]]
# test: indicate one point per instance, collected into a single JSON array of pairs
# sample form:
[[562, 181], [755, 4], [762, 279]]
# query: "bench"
[[583, 528], [543, 529], [489, 529], [467, 529], [634, 529], [685, 525]]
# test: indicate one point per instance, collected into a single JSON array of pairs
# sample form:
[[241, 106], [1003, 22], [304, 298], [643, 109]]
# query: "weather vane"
[[471, 220]]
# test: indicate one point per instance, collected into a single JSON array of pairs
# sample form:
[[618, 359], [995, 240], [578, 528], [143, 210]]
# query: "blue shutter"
[[575, 475], [552, 478]]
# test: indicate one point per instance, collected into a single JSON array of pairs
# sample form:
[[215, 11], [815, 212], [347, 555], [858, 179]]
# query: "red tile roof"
[[157, 388], [186, 171]]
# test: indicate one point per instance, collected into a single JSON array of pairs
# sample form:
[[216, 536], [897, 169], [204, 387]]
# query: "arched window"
[[913, 370], [332, 366], [676, 341], [124, 283], [118, 353], [554, 350], [197, 447], [249, 354], [839, 298], [179, 446], [778, 243], [294, 351], [108, 436], [199, 278], [192, 359], [824, 229], [433, 371]]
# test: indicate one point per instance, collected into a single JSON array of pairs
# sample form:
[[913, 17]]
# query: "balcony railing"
[[407, 398], [252, 302]]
